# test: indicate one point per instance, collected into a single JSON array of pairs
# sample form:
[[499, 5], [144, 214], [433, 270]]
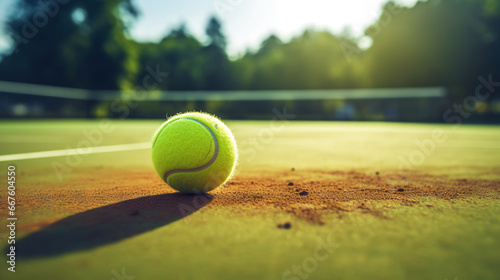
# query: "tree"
[[313, 60], [179, 54], [215, 66], [74, 43], [436, 43], [214, 33], [272, 42]]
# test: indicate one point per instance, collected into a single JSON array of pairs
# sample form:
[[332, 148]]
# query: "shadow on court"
[[110, 223]]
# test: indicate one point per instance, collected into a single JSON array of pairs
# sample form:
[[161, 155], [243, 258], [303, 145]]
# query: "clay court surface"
[[388, 208]]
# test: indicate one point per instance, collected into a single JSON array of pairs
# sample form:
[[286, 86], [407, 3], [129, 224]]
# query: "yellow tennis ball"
[[194, 152]]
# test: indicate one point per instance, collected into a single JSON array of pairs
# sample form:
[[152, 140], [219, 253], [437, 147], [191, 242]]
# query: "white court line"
[[83, 151]]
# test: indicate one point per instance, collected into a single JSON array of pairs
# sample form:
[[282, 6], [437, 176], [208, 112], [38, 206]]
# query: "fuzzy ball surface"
[[194, 152]]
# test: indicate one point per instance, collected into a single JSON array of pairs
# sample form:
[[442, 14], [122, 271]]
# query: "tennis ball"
[[194, 152]]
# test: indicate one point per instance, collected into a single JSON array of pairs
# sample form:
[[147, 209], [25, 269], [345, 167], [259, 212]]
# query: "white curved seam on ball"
[[214, 157]]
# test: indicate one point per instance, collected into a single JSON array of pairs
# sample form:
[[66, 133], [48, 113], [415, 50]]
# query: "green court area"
[[309, 200]]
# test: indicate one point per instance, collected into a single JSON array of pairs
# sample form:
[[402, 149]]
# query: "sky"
[[246, 23]]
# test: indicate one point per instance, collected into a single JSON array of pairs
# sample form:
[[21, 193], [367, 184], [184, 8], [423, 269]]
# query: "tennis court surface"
[[309, 200]]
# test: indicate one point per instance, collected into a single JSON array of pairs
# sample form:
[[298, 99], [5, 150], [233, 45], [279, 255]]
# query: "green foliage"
[[71, 43], [85, 44], [179, 54], [436, 43], [310, 61]]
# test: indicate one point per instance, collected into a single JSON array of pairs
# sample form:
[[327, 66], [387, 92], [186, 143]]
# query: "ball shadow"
[[108, 224]]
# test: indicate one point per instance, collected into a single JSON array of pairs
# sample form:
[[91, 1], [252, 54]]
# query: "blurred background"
[[410, 61]]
